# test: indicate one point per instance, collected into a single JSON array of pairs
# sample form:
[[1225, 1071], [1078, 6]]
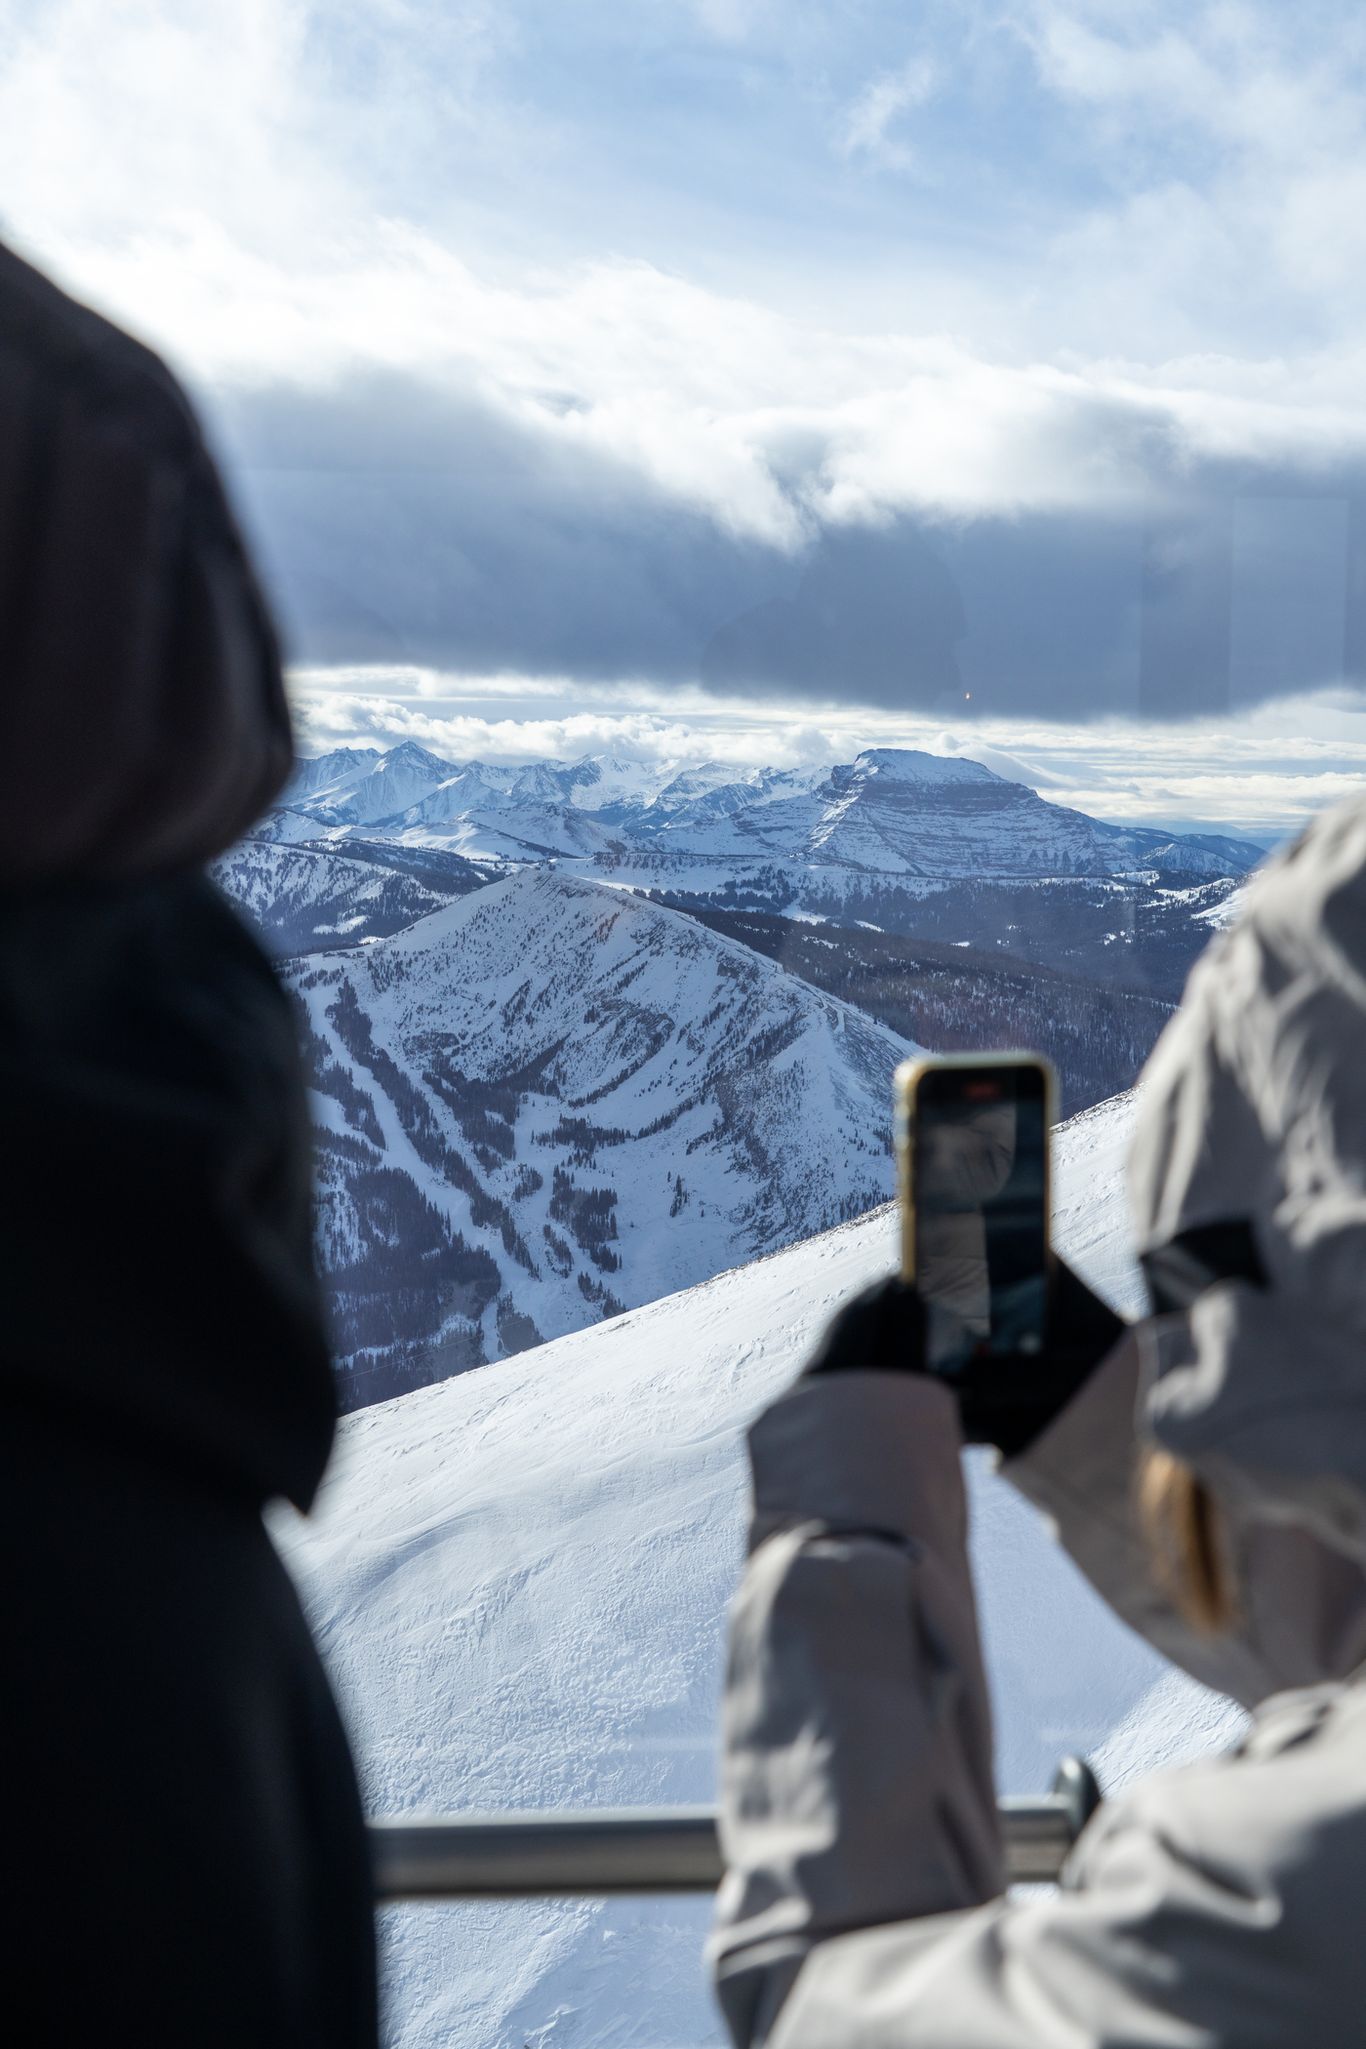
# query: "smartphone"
[[973, 1141]]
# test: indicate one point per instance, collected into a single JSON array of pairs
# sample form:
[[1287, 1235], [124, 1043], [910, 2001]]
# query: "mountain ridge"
[[896, 811], [539, 1101], [547, 1100]]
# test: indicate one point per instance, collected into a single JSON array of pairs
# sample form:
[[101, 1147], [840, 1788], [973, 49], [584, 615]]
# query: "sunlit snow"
[[519, 1578]]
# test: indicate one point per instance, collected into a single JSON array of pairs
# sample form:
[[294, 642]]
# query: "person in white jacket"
[[1216, 1907]]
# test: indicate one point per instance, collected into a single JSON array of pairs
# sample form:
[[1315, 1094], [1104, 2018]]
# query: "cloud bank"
[[1265, 776], [1128, 484]]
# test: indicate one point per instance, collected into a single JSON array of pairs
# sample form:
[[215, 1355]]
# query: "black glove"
[[1005, 1402], [882, 1329]]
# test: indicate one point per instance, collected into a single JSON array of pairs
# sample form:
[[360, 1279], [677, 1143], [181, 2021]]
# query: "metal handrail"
[[651, 1850]]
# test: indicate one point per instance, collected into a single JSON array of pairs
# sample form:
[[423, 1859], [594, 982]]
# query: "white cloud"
[[222, 179], [272, 124], [1237, 135], [973, 747], [354, 718], [880, 107], [201, 173], [1268, 775], [731, 21], [765, 425]]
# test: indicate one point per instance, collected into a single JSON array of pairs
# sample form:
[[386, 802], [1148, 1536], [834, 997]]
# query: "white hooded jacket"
[[1218, 1907]]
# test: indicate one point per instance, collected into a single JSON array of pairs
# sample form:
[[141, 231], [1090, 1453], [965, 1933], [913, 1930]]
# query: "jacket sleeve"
[[857, 1771], [1163, 1938], [863, 1903]]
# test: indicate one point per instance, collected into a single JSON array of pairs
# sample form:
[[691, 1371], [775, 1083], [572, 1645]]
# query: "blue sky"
[[760, 376]]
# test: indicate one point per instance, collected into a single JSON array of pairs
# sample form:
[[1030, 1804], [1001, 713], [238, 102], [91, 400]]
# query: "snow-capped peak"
[[603, 781], [341, 768], [362, 787], [910, 765]]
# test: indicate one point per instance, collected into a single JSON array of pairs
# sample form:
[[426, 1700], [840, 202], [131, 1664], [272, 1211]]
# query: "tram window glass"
[[799, 530]]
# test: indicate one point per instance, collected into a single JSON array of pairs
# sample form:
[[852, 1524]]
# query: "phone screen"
[[980, 1180]]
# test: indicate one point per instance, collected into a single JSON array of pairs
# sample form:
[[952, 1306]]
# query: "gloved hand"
[[1005, 1402]]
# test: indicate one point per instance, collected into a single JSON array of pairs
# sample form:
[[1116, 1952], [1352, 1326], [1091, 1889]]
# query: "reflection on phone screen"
[[980, 1141]]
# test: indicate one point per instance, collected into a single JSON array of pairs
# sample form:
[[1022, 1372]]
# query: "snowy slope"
[[361, 786], [307, 895], [331, 776], [552, 1100], [519, 1578], [534, 828]]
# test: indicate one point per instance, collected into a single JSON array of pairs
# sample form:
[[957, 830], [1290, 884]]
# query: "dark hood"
[[160, 1294], [143, 723]]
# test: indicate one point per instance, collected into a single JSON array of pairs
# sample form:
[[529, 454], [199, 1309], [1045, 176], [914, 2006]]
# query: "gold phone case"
[[905, 1084]]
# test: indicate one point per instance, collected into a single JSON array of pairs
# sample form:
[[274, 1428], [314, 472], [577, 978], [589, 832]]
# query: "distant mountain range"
[[581, 1034], [893, 812], [927, 847]]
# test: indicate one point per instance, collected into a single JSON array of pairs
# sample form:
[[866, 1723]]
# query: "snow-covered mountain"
[[921, 846], [523, 1075], [519, 1579], [307, 895], [531, 828], [358, 786], [323, 776], [960, 998], [549, 1101], [893, 812], [897, 812]]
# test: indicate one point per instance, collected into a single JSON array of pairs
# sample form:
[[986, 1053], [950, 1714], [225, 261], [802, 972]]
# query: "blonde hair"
[[1186, 1543]]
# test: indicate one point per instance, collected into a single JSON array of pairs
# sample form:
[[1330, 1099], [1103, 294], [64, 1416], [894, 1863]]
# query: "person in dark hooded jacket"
[[183, 1827]]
